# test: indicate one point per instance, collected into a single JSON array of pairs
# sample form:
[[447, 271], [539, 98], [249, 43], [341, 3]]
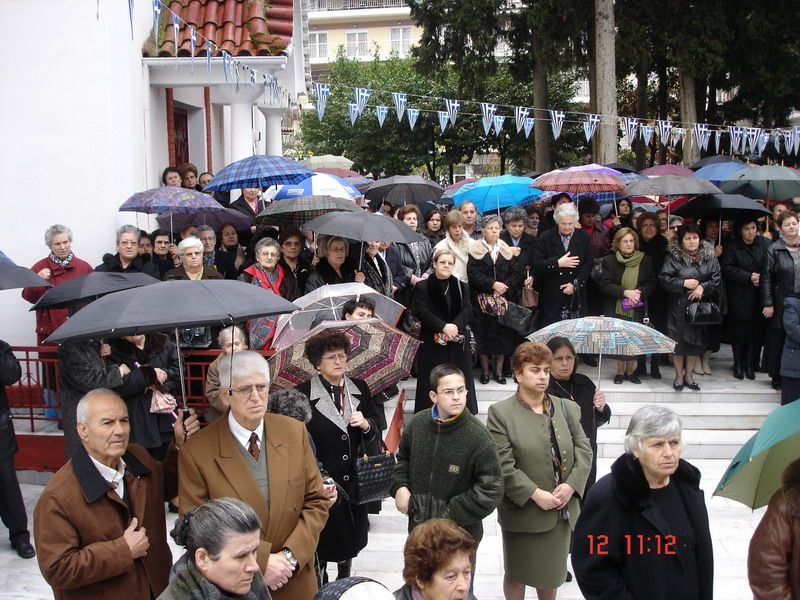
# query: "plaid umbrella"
[[667, 170], [379, 354], [298, 211], [170, 199], [12, 276], [577, 181], [403, 189], [257, 172]]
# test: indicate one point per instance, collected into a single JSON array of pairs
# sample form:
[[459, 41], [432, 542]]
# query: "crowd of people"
[[267, 489]]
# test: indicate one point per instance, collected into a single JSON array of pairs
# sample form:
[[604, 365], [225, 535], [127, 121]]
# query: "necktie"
[[252, 447]]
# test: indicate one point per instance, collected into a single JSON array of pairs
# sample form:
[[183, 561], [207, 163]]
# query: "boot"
[[749, 363], [641, 367], [737, 361], [655, 372], [706, 362], [343, 569]]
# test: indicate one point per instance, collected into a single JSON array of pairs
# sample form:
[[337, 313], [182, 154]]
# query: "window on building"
[[356, 44], [318, 42], [400, 38]]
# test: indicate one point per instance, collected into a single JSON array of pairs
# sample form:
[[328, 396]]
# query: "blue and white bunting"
[[677, 136], [590, 126], [796, 137], [130, 13], [664, 129], [322, 90], [487, 112], [444, 119], [717, 140], [701, 134], [736, 134], [497, 122], [763, 140], [647, 134], [452, 106], [156, 15], [520, 114], [381, 112], [226, 64], [193, 43], [630, 125], [236, 72], [400, 101], [361, 97], [176, 27], [556, 121], [529, 121], [252, 79], [352, 108], [790, 141], [209, 52], [753, 135], [413, 114]]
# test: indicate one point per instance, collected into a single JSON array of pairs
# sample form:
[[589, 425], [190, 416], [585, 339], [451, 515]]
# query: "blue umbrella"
[[319, 184], [493, 193], [716, 172], [257, 172]]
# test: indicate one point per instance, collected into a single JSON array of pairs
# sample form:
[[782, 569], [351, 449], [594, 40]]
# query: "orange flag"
[[393, 434]]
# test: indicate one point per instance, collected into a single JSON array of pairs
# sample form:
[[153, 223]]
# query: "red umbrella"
[[667, 170], [578, 182], [458, 184]]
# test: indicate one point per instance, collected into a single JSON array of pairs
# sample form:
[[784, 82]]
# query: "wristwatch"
[[290, 557]]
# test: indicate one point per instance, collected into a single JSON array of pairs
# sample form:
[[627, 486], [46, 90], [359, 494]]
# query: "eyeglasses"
[[341, 357], [247, 390], [208, 238], [452, 393]]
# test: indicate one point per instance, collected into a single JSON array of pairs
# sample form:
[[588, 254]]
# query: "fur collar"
[[704, 253], [478, 250], [631, 485], [459, 249], [791, 487]]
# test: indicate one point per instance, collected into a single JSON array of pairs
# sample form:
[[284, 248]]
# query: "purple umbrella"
[[213, 218], [172, 200]]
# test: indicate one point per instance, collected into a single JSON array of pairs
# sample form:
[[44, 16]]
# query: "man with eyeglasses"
[[266, 461], [127, 259], [447, 464]]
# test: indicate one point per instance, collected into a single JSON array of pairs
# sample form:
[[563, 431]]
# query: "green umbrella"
[[770, 183], [755, 472]]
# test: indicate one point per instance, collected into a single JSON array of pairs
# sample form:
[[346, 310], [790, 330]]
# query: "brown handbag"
[[529, 298]]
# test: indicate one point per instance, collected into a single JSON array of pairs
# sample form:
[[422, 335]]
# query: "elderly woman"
[[562, 263], [342, 427], [221, 539], [415, 256], [433, 230], [375, 269], [127, 259], [171, 177], [492, 269], [292, 261], [190, 253], [654, 245], [546, 458], [442, 304], [456, 242], [332, 266], [627, 279], [438, 559], [643, 531], [231, 339], [690, 273], [515, 220]]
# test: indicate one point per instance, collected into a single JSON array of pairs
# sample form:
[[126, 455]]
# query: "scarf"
[[630, 277], [208, 259], [187, 583], [62, 263], [271, 281]]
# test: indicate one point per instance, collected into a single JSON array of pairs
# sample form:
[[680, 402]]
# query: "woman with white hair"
[[643, 531], [190, 253]]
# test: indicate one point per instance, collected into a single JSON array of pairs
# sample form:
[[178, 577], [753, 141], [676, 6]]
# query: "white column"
[[241, 128], [274, 143]]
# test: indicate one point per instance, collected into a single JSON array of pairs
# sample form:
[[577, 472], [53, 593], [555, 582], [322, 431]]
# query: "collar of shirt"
[[565, 239], [115, 477], [242, 434]]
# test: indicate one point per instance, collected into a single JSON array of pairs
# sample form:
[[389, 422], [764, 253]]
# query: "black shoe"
[[569, 576], [618, 379], [749, 372], [655, 372], [692, 386], [633, 378], [737, 370], [24, 548], [677, 386], [484, 378], [501, 380], [589, 360], [640, 371], [776, 383]]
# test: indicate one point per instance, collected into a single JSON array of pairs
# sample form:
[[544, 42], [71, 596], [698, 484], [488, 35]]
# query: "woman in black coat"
[[442, 304], [342, 427], [741, 264], [643, 531], [653, 243], [332, 267]]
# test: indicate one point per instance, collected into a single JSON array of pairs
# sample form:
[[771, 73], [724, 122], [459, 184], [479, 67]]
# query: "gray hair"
[[266, 242], [209, 526], [243, 364], [565, 210], [515, 213], [189, 242], [325, 241], [291, 403], [128, 229], [55, 230], [203, 228], [653, 420], [489, 219], [82, 411], [228, 332]]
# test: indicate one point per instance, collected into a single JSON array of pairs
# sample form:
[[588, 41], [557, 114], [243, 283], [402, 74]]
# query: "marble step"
[[698, 443]]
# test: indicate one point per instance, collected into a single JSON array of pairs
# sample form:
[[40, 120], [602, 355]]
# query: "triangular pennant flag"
[[236, 72], [193, 41], [497, 122], [520, 114], [252, 78], [322, 91], [702, 134], [130, 14], [361, 96], [789, 141], [528, 126], [763, 140], [444, 119], [487, 112], [352, 108], [677, 136], [156, 15], [753, 135], [556, 121], [209, 52], [590, 126], [176, 27], [381, 112], [717, 140], [413, 113], [453, 106], [226, 66], [736, 139], [664, 129], [631, 127], [796, 136], [647, 133], [399, 100]]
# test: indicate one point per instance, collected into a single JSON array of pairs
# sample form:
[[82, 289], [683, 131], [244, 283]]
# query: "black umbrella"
[[532, 174], [12, 276], [621, 167], [403, 189], [721, 206], [363, 227], [91, 287], [713, 160]]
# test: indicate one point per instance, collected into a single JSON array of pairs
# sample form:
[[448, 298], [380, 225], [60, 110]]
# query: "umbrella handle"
[[180, 370], [599, 365]]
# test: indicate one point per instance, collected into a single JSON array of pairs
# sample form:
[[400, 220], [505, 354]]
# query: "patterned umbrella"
[[578, 181], [667, 170], [298, 211], [170, 199], [257, 172], [318, 185], [379, 354]]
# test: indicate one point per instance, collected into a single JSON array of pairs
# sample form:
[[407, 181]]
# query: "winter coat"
[[678, 267], [377, 276], [288, 288], [460, 252], [656, 249], [600, 240], [773, 562], [405, 593], [323, 274], [620, 505], [526, 244], [48, 320], [777, 280], [10, 372], [337, 447], [610, 283], [225, 264], [738, 263], [790, 358], [112, 264], [415, 256], [179, 273], [79, 524], [300, 273]]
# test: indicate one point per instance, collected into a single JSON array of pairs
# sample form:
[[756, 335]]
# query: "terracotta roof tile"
[[240, 27]]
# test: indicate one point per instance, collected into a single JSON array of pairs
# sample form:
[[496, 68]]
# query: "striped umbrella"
[[298, 211], [379, 354], [257, 172], [578, 181]]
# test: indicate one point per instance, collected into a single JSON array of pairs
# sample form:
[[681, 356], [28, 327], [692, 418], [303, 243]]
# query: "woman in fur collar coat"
[[456, 242]]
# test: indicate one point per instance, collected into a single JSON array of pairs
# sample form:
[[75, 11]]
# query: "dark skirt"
[[686, 349], [773, 351], [492, 337], [790, 390], [746, 331]]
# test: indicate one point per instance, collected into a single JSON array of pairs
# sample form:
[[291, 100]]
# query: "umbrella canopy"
[[532, 174], [328, 161], [363, 227], [325, 304], [669, 185], [319, 185], [771, 182], [91, 287], [359, 182], [754, 474], [213, 218], [217, 302], [714, 159], [403, 189], [379, 354], [458, 184], [12, 276], [298, 211], [716, 172], [343, 173], [721, 206], [594, 168], [621, 167], [493, 193], [667, 170], [170, 199], [257, 172], [578, 181]]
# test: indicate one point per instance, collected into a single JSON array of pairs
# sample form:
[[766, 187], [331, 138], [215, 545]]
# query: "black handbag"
[[373, 475], [517, 318], [703, 313]]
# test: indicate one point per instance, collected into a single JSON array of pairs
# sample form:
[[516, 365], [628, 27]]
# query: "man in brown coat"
[[99, 524], [266, 461]]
